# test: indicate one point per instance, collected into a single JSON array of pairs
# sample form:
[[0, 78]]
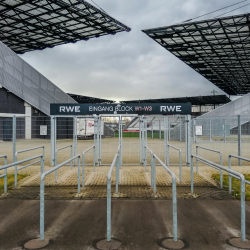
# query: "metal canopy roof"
[[88, 99], [27, 25], [218, 49], [195, 100]]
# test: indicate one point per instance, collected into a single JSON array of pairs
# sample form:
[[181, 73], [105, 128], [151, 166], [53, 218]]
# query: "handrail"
[[21, 151], [212, 150], [174, 191], [229, 165], [43, 175], [153, 171], [71, 155], [83, 163], [116, 162], [235, 174], [20, 162], [5, 173], [180, 160]]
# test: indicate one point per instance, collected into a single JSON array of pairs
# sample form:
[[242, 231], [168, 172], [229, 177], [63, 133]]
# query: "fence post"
[[52, 140], [79, 175], [14, 138], [180, 128], [194, 132], [83, 170], [224, 131], [160, 129], [239, 139], [152, 130], [189, 142], [165, 138], [121, 144], [210, 130], [117, 168], [42, 208], [75, 138], [108, 210]]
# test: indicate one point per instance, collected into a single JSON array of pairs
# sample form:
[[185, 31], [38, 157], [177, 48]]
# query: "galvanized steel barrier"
[[71, 155], [153, 171], [42, 189], [233, 173], [174, 191], [83, 163], [180, 160], [212, 150], [229, 165], [5, 173], [20, 162], [21, 151], [117, 162]]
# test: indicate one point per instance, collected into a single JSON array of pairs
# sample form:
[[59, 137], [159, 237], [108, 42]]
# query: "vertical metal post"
[[14, 146], [121, 143], [145, 142], [52, 140], [75, 137], [94, 158], [71, 155], [42, 208], [239, 139], [192, 175], [108, 210], [95, 139], [186, 138], [180, 163], [210, 130], [151, 170], [160, 129], [5, 177], [140, 139], [243, 212], [197, 161], [194, 134], [168, 154], [221, 173], [83, 170], [174, 200], [154, 185], [224, 131], [152, 130], [169, 130], [189, 142], [165, 138], [117, 168], [79, 175], [180, 128], [100, 140], [230, 177], [14, 138]]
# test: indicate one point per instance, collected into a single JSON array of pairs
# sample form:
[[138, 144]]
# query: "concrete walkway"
[[140, 219]]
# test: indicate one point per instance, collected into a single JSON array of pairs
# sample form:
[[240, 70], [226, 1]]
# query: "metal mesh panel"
[[22, 80]]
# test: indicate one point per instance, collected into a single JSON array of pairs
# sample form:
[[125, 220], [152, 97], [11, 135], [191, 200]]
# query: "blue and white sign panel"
[[120, 109]]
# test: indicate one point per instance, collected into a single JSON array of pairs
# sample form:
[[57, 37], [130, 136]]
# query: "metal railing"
[[235, 174], [21, 151], [5, 173], [229, 166], [153, 170], [71, 155], [116, 162], [83, 163], [16, 163], [174, 190], [180, 160], [212, 150], [42, 189]]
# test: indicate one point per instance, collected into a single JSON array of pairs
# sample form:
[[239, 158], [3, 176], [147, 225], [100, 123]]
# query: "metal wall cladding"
[[24, 81], [240, 106]]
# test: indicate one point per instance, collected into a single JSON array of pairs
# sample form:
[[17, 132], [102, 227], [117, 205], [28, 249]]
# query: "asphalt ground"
[[139, 224]]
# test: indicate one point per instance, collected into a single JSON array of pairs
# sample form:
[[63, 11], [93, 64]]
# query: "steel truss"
[[27, 25], [218, 49]]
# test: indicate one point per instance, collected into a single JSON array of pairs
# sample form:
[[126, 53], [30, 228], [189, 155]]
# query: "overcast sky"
[[130, 65]]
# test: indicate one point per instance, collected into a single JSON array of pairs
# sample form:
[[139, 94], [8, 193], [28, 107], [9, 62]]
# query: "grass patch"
[[10, 180], [235, 185]]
